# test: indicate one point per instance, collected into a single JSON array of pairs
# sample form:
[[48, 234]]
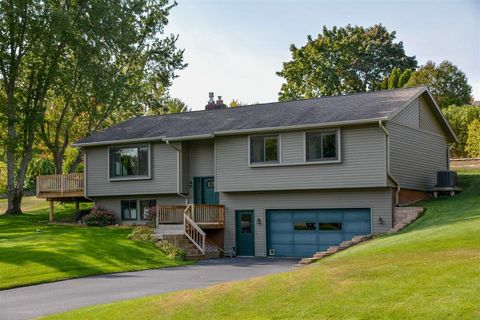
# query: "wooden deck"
[[61, 187]]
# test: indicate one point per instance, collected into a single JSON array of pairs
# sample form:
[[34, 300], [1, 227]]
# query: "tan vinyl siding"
[[409, 116], [114, 204], [379, 200], [185, 165], [362, 165], [201, 158], [416, 156], [428, 120], [163, 173], [201, 161]]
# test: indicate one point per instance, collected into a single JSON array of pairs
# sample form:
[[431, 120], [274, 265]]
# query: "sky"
[[234, 48]]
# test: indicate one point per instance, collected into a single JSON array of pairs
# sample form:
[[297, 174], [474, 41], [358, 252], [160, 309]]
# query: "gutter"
[[387, 156], [85, 178], [178, 171]]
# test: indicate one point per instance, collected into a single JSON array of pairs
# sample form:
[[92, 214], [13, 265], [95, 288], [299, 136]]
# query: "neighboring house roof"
[[325, 111]]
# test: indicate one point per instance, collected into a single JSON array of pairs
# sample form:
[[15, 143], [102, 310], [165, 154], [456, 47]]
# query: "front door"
[[204, 191], [245, 233]]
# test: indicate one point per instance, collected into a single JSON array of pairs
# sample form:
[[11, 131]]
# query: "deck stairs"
[[184, 228]]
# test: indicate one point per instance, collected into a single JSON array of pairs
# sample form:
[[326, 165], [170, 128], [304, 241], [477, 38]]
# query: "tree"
[[175, 105], [68, 68], [404, 77], [460, 117], [393, 80], [342, 60], [236, 103], [167, 105], [472, 146], [446, 81]]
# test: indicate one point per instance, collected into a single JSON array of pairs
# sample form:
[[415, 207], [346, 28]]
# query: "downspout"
[[448, 156], [387, 156], [178, 171]]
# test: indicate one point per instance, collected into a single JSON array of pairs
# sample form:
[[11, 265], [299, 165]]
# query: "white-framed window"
[[264, 149], [129, 162], [322, 145]]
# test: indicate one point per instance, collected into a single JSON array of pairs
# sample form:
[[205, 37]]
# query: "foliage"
[[38, 166], [141, 233], [169, 105], [236, 103], [33, 251], [472, 146], [393, 80], [429, 272], [404, 77], [72, 68], [3, 178], [446, 81], [171, 250], [99, 217], [342, 60], [460, 117]]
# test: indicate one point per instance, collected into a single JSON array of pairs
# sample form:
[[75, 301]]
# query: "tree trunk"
[[14, 198], [75, 163], [15, 202]]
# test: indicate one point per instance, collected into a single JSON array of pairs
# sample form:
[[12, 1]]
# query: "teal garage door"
[[301, 233]]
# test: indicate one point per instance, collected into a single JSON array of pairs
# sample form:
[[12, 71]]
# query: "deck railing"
[[208, 213], [60, 183], [170, 214], [199, 213]]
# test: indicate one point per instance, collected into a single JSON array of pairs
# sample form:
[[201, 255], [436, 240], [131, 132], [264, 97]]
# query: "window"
[[321, 146], [263, 149], [330, 226], [129, 162], [145, 206], [246, 223], [305, 226], [129, 209]]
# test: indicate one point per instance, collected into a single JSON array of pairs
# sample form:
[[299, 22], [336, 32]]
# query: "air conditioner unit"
[[446, 178]]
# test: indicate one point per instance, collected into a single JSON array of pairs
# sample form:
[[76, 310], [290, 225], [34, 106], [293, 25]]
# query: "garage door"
[[301, 233]]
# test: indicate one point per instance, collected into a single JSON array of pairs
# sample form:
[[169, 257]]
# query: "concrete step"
[[333, 249]]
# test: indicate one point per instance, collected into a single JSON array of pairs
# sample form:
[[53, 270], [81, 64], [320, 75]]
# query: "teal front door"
[[245, 233], [204, 191]]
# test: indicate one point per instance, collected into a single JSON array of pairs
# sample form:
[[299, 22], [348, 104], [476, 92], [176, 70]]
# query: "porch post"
[[77, 206], [51, 210]]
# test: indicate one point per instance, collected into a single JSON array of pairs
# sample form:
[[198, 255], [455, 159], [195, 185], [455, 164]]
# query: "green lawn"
[[431, 270], [33, 251]]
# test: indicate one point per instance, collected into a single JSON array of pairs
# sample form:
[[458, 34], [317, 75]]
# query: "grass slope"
[[33, 251], [429, 271]]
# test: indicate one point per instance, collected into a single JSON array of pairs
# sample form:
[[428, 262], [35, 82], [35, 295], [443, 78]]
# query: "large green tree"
[[446, 81], [460, 117], [69, 67], [343, 60]]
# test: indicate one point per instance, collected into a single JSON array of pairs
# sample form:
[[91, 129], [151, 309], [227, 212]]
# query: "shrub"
[[99, 217], [141, 234], [171, 250]]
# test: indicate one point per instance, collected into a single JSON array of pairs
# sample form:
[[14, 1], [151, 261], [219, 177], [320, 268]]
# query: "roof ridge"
[[289, 101]]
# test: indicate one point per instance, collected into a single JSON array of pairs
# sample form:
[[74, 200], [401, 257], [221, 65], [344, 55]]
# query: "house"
[[281, 179]]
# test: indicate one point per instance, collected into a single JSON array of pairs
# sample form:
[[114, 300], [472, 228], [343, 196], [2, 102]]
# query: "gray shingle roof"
[[346, 108]]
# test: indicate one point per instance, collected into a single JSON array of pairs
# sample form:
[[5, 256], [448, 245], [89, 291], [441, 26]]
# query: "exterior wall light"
[[259, 221], [380, 220]]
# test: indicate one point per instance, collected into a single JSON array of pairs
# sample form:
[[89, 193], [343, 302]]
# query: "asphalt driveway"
[[34, 301]]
